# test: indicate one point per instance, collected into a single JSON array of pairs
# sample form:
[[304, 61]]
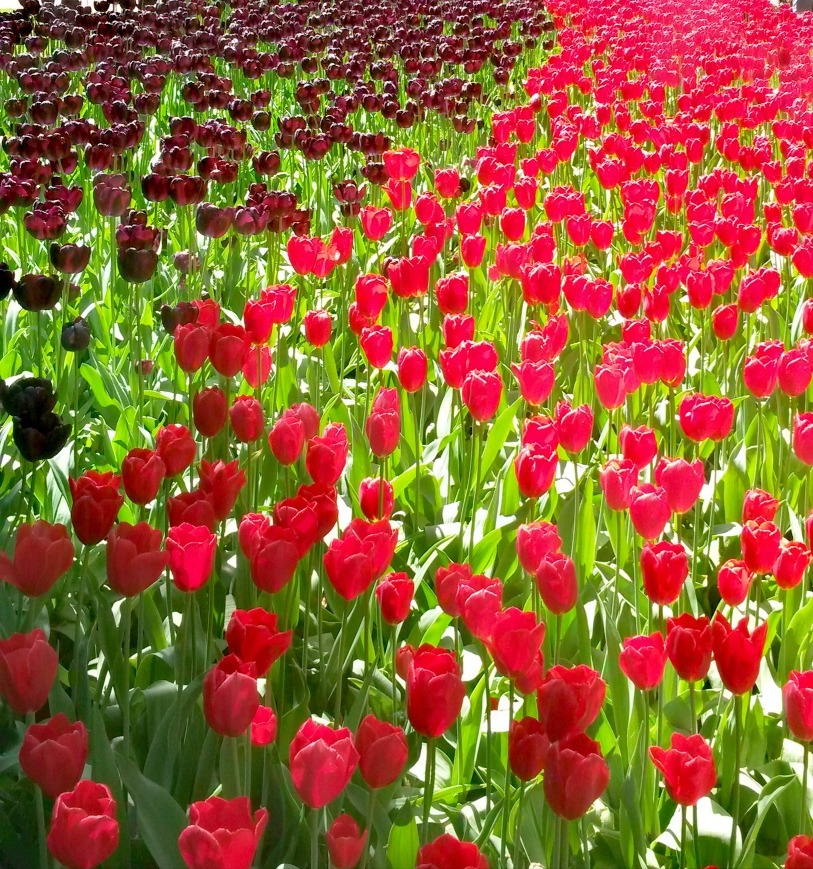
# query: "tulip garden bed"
[[405, 451]]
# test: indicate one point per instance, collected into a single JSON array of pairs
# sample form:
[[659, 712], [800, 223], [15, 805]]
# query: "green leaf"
[[160, 819], [403, 843]]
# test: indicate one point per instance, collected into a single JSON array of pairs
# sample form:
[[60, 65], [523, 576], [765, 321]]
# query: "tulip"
[[274, 560], [617, 479], [135, 559], [230, 698], [322, 761], [246, 417], [142, 472], [447, 851], [703, 416], [803, 437], [228, 347], [479, 600], [254, 637], [447, 585], [528, 746], [734, 581], [435, 691], [374, 504], [326, 456], [176, 448], [515, 645], [687, 767], [758, 504], [760, 541], [264, 726], [682, 481], [535, 467], [738, 653], [574, 426], [569, 700], [53, 754], [649, 510], [576, 775], [191, 342], [345, 842], [28, 668], [643, 659], [638, 445], [481, 394], [557, 582], [96, 503], [664, 568], [191, 555], [222, 834], [317, 326], [84, 830], [689, 645], [286, 439], [534, 541], [800, 853], [412, 368], [797, 694], [43, 553], [383, 751], [209, 411], [394, 594], [791, 563]]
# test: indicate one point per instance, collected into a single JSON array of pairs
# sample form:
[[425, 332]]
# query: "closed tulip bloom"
[[287, 439], [528, 746], [372, 504], [394, 594], [191, 343], [359, 556], [221, 483], [376, 343], [222, 834], [706, 416], [254, 636], [797, 694], [412, 368], [96, 503], [345, 842], [682, 481], [434, 691], [689, 645], [135, 558], [318, 326], [800, 853], [447, 852], [535, 468], [53, 754], [452, 293], [209, 411], [557, 582], [84, 830], [617, 478], [322, 761], [574, 426], [664, 568], [457, 329], [447, 585], [230, 697], [274, 558], [326, 456], [176, 448], [576, 775], [734, 581], [760, 542], [535, 540], [481, 393], [725, 321], [535, 380], [43, 553], [142, 472], [791, 563], [569, 700], [610, 386], [191, 555], [638, 445], [479, 599], [228, 348], [738, 653], [193, 507], [795, 372], [687, 767], [246, 417], [803, 437], [516, 648], [28, 668], [649, 510], [758, 504], [264, 726], [375, 222], [643, 659], [383, 431], [383, 751]]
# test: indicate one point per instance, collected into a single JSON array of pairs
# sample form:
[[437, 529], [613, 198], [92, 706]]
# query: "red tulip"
[[803, 437], [322, 761], [557, 582], [191, 555], [84, 830], [96, 503], [617, 479], [394, 594], [706, 416], [638, 445], [318, 326], [142, 472], [649, 510], [535, 467], [569, 700], [664, 568], [687, 767], [481, 394], [176, 448], [345, 842], [534, 541], [286, 439], [574, 426], [738, 653], [221, 483], [326, 456], [53, 754], [412, 368], [228, 348], [383, 751], [791, 563], [797, 694], [222, 834], [254, 637], [734, 581], [643, 659], [209, 411], [191, 343], [516, 648], [230, 697], [688, 646], [760, 542], [447, 852], [435, 691], [246, 417], [28, 668], [800, 853], [758, 504], [528, 746], [682, 481], [575, 776], [372, 504], [42, 554], [376, 343], [135, 558], [447, 584]]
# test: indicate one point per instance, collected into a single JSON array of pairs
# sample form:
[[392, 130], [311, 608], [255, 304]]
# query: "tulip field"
[[406, 437]]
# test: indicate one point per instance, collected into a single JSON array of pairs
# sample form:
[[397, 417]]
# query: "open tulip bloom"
[[406, 436]]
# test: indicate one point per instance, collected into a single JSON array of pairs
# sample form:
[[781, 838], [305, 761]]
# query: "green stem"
[[40, 809], [338, 713], [126, 615], [735, 814], [429, 787], [506, 794], [477, 459], [314, 837], [804, 813]]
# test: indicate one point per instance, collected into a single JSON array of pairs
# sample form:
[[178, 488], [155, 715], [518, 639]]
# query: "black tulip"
[[37, 292], [76, 335], [28, 396], [39, 438]]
